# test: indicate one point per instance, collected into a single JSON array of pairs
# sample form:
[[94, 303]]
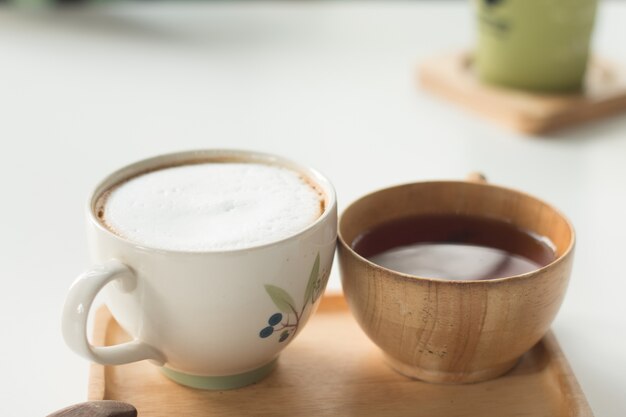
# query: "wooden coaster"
[[451, 76], [333, 369]]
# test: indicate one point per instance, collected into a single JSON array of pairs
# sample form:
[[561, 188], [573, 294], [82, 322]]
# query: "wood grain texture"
[[451, 77], [100, 408], [333, 369], [453, 331]]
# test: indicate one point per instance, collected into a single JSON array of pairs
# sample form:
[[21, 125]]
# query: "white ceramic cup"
[[211, 319]]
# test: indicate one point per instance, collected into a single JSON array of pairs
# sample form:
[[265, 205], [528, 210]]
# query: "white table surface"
[[329, 84]]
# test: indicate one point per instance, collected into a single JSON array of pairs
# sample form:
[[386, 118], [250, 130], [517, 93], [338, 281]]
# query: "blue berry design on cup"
[[286, 321]]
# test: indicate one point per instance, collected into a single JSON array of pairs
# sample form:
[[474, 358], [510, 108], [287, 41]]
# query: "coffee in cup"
[[208, 206], [212, 261]]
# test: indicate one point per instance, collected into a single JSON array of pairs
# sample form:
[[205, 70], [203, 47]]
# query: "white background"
[[331, 85]]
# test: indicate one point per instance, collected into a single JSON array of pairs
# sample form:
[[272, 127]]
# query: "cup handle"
[[76, 311]]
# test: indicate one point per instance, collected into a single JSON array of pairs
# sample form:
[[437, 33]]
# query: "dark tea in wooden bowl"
[[454, 280], [454, 247]]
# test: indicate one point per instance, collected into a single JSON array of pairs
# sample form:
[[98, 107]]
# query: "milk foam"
[[212, 206]]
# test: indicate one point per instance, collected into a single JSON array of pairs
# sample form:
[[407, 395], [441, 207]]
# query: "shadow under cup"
[[453, 331]]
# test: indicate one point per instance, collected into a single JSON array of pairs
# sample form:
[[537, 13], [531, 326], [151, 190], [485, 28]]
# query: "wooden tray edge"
[[569, 386], [96, 389]]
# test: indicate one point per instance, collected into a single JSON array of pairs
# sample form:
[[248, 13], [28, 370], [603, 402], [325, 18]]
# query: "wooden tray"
[[332, 369], [451, 76]]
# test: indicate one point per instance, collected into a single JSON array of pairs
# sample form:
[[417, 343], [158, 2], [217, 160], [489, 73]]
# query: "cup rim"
[[162, 161], [406, 276]]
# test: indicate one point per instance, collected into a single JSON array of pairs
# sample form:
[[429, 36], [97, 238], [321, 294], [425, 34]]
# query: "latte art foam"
[[211, 206]]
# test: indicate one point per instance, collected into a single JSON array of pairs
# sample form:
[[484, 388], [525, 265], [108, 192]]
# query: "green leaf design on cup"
[[281, 298], [286, 322], [313, 280]]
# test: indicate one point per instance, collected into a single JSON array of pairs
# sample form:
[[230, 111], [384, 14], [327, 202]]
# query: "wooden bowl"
[[453, 331]]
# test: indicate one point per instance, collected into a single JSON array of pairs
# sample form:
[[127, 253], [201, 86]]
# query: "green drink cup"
[[540, 45]]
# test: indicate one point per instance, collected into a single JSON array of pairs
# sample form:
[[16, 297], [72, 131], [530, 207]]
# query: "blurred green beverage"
[[538, 45]]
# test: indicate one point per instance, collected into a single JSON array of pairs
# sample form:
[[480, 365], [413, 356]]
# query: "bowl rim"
[[396, 274]]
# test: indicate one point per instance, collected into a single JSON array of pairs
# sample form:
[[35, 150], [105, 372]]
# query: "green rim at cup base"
[[220, 382]]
